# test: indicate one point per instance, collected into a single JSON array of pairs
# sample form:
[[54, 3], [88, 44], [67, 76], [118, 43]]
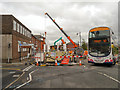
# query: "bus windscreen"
[[99, 43]]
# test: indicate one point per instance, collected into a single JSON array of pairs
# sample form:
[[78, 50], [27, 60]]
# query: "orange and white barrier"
[[59, 57], [67, 56]]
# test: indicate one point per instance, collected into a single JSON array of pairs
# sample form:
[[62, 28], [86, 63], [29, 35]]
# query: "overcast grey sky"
[[72, 16]]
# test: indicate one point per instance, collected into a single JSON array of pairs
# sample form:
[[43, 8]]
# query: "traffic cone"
[[37, 64], [55, 62], [80, 63]]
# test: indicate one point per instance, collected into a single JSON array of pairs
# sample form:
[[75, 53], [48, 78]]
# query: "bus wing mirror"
[[112, 32], [112, 45]]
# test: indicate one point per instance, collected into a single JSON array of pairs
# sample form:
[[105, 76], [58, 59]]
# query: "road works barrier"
[[65, 60], [37, 58], [67, 56]]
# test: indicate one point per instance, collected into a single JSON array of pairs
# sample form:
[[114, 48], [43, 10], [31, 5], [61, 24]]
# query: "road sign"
[[20, 44], [53, 53]]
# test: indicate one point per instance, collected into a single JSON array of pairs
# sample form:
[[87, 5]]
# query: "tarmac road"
[[85, 76]]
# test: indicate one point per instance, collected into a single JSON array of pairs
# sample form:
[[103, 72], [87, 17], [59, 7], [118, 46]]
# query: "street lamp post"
[[80, 38], [8, 52], [40, 48]]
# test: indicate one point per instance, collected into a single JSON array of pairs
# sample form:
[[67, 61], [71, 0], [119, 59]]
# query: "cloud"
[[73, 17]]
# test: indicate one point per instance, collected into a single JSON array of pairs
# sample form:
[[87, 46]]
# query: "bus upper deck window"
[[97, 33]]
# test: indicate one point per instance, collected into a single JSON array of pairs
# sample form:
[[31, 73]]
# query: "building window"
[[30, 35], [27, 33], [23, 30], [20, 29], [24, 43], [14, 25], [17, 27], [19, 42]]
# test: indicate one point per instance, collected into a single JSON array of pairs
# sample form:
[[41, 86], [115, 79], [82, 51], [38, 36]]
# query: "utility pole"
[[45, 43], [8, 52], [80, 38], [40, 48]]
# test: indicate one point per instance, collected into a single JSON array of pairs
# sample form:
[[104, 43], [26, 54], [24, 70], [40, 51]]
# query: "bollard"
[[80, 63], [55, 62]]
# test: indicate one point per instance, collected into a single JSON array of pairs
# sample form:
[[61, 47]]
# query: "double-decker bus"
[[100, 46]]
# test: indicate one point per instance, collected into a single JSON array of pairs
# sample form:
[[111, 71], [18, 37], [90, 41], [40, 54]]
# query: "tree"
[[84, 44], [115, 50]]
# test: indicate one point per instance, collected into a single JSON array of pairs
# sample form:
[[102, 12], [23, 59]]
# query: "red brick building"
[[14, 35], [17, 42], [38, 42]]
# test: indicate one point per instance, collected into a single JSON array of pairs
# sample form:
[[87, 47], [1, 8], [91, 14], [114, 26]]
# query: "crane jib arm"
[[62, 41], [61, 29]]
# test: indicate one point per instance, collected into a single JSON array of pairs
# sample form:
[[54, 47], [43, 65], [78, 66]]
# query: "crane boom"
[[61, 29], [63, 41]]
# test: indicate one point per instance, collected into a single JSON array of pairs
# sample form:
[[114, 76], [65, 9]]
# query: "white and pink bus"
[[100, 46]]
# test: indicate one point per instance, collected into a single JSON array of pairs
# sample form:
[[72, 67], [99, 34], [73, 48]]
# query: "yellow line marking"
[[42, 65], [11, 69], [14, 81]]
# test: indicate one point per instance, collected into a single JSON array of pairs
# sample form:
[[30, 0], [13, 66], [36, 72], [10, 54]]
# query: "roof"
[[99, 28], [39, 36], [36, 37], [10, 15]]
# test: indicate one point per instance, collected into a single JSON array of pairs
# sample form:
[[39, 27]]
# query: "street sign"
[[20, 44], [53, 53]]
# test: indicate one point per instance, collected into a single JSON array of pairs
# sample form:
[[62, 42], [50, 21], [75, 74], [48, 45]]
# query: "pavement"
[[85, 76]]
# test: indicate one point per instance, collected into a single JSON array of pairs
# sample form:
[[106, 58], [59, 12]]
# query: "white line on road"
[[16, 75], [30, 79], [109, 77], [14, 80], [27, 68], [11, 72]]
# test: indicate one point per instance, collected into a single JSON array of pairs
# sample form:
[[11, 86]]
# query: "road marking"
[[27, 68], [16, 75], [11, 69], [30, 79], [11, 72], [109, 77], [15, 80]]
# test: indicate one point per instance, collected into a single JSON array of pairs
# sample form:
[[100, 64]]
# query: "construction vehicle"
[[59, 40], [63, 42], [77, 50], [61, 29]]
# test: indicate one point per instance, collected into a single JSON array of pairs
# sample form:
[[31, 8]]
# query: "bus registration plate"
[[98, 58]]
